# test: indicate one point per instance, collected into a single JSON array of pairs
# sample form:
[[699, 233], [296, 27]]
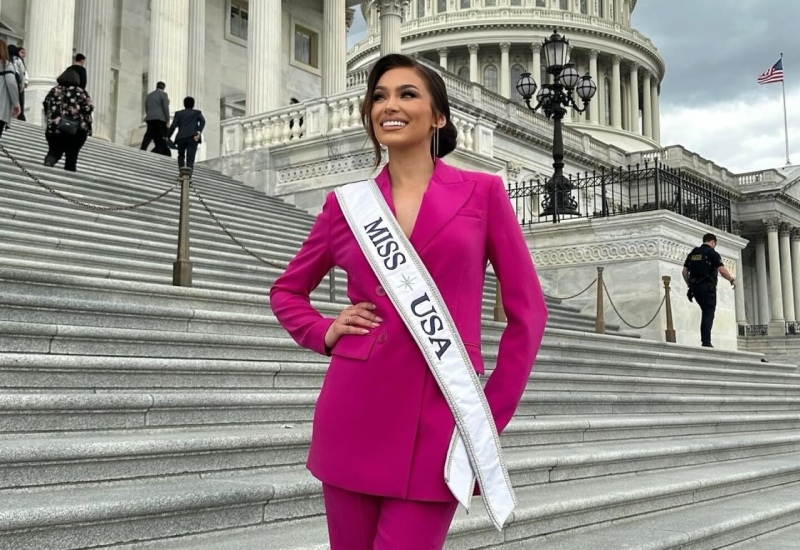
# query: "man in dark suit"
[[156, 108], [189, 122], [79, 66]]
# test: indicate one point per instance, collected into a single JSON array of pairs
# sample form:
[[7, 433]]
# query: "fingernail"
[[364, 331], [378, 319], [375, 325]]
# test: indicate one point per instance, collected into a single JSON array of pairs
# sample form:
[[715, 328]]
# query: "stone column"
[[616, 93], [334, 49], [647, 108], [505, 70], [762, 280], [634, 99], [391, 21], [656, 110], [94, 29], [265, 91], [777, 324], [594, 107], [795, 246], [738, 291], [536, 63], [443, 57], [197, 50], [169, 48], [49, 43], [787, 282], [473, 63], [601, 97]]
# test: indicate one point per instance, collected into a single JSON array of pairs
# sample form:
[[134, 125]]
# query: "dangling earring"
[[436, 143]]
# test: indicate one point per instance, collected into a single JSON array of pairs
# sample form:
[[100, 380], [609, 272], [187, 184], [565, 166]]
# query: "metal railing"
[[620, 191]]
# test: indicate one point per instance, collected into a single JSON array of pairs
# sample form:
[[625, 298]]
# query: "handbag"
[[68, 125]]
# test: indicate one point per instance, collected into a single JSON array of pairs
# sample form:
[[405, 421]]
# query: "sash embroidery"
[[475, 446]]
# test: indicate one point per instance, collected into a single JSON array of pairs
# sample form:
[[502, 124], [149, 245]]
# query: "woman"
[[68, 111], [17, 56], [382, 425], [9, 94]]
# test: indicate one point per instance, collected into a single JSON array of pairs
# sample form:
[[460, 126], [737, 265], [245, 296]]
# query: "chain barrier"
[[77, 202], [653, 318], [574, 295], [229, 234]]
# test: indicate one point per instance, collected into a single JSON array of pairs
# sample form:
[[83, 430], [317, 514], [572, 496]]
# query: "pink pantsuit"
[[381, 425]]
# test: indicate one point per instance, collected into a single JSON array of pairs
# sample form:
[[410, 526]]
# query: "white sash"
[[475, 446]]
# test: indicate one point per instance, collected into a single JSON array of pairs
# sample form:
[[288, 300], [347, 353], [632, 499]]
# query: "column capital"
[[796, 234], [443, 52], [390, 7], [616, 59], [473, 48], [634, 67], [760, 239], [785, 229], [536, 47], [772, 224], [593, 54], [736, 228], [505, 47]]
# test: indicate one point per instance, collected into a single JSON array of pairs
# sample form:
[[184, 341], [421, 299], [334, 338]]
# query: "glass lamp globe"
[[586, 88], [556, 50], [526, 86], [569, 77]]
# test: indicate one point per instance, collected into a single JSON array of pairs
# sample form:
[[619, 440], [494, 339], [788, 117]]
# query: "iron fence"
[[622, 191]]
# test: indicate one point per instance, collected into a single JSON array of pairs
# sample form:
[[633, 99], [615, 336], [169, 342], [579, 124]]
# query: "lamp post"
[[554, 100]]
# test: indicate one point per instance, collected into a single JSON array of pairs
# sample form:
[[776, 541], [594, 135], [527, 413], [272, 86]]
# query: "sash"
[[475, 446]]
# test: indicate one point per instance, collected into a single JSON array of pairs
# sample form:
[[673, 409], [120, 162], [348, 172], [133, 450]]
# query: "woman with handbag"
[[9, 93], [68, 111]]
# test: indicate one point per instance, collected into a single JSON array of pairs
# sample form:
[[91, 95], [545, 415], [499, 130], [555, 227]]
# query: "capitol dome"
[[492, 42]]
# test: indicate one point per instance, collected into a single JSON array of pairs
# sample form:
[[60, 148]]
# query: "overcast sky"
[[714, 51]]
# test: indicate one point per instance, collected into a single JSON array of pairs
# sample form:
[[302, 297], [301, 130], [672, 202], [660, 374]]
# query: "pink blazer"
[[381, 424]]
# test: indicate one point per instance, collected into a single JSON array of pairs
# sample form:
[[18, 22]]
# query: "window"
[[516, 74], [490, 77], [541, 3], [238, 18], [420, 8], [584, 6], [516, 2], [306, 46], [465, 4], [441, 6], [563, 5], [599, 8], [463, 73], [611, 10], [607, 97], [490, 3]]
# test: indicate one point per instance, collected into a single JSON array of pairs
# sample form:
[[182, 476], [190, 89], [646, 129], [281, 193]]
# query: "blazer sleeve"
[[524, 306], [201, 122], [289, 296]]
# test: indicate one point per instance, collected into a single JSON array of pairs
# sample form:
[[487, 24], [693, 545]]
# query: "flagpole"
[[785, 117]]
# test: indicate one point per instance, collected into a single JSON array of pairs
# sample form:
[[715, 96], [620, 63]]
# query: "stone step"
[[81, 517], [784, 538], [52, 459]]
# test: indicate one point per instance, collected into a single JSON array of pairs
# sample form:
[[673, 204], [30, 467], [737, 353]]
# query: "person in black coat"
[[79, 66], [189, 122]]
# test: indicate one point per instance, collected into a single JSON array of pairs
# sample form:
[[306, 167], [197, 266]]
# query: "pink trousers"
[[364, 522]]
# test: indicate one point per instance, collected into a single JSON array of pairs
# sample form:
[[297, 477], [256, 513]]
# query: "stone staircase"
[[134, 414]]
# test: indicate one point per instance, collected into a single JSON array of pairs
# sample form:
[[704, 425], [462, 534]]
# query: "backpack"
[[700, 266]]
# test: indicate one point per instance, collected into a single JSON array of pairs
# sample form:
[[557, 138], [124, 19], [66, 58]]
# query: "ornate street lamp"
[[554, 100]]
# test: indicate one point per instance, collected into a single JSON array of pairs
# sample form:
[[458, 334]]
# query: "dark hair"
[[708, 237], [436, 87], [160, 85], [188, 102], [13, 50], [293, 100], [69, 78], [79, 57]]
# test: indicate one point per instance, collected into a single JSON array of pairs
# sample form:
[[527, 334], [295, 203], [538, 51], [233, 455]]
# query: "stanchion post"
[[182, 267], [670, 331], [332, 285], [499, 312], [600, 321]]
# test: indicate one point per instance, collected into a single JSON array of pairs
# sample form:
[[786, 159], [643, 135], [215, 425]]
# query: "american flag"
[[773, 74]]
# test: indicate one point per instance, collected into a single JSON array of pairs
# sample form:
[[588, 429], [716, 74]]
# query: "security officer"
[[700, 271]]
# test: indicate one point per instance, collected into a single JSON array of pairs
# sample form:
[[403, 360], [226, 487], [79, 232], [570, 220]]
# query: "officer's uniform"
[[705, 289]]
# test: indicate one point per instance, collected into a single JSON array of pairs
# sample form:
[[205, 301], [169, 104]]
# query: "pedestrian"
[[190, 123], [17, 56], [68, 112], [79, 66], [9, 93], [700, 271], [157, 119], [403, 381]]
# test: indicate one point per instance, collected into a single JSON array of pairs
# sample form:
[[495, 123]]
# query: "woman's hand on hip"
[[355, 319]]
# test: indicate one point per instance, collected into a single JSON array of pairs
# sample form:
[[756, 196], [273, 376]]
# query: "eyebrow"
[[399, 88]]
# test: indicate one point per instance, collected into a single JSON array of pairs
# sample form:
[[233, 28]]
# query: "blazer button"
[[379, 291], [382, 337]]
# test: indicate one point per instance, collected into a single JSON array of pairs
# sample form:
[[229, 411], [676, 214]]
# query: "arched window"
[[463, 73], [465, 4], [490, 77], [563, 5], [420, 8], [516, 73], [441, 6], [607, 94]]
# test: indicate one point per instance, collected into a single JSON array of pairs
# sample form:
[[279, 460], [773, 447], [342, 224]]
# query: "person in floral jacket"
[[69, 101]]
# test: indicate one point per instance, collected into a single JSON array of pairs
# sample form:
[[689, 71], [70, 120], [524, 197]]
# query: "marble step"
[[781, 538], [82, 517]]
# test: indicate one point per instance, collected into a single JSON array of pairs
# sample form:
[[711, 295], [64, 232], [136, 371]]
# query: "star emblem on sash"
[[408, 282]]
